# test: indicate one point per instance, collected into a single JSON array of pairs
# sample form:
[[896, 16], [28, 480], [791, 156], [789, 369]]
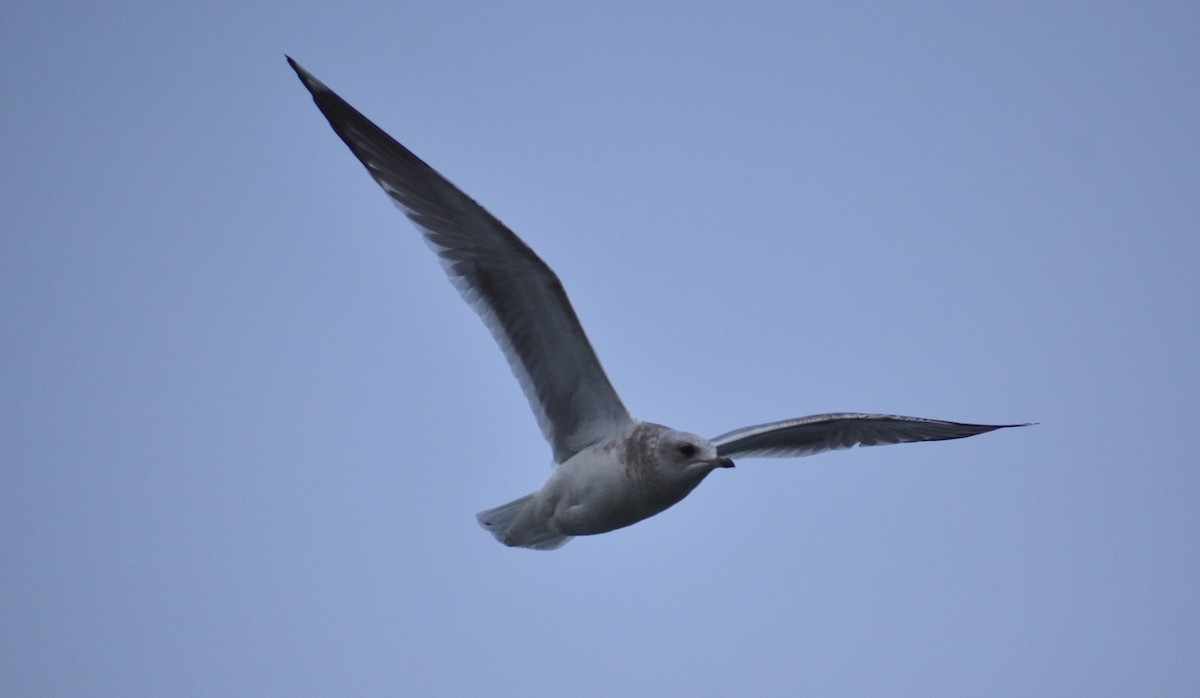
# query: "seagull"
[[612, 469]]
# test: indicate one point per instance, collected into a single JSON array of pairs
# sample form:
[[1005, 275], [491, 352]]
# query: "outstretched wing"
[[806, 436], [519, 298]]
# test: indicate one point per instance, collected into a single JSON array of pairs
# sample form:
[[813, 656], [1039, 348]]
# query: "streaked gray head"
[[680, 451], [657, 457]]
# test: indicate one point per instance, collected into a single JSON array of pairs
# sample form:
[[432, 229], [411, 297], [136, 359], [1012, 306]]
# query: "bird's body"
[[612, 470], [607, 486]]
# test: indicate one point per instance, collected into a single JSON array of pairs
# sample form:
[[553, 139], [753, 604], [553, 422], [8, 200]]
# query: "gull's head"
[[664, 464], [681, 453]]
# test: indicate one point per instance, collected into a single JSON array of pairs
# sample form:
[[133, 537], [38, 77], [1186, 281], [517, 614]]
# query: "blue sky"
[[245, 422]]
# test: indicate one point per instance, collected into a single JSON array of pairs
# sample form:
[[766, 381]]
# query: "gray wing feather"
[[806, 436], [518, 296]]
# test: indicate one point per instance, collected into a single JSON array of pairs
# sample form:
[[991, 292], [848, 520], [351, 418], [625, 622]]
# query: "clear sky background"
[[245, 422]]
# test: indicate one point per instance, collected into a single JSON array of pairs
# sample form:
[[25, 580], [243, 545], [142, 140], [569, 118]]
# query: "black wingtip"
[[995, 427], [314, 85]]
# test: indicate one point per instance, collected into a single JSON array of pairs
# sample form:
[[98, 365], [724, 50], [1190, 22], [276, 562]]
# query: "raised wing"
[[806, 436], [519, 298]]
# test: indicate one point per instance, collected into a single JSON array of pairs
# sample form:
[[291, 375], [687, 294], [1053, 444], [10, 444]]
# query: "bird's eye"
[[687, 450]]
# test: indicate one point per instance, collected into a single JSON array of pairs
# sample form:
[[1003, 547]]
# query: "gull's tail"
[[510, 528]]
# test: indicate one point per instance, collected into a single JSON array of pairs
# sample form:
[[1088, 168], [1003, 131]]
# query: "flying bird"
[[612, 469]]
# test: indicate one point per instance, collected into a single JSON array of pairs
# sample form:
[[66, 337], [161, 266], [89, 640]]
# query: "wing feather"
[[518, 296], [806, 436]]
